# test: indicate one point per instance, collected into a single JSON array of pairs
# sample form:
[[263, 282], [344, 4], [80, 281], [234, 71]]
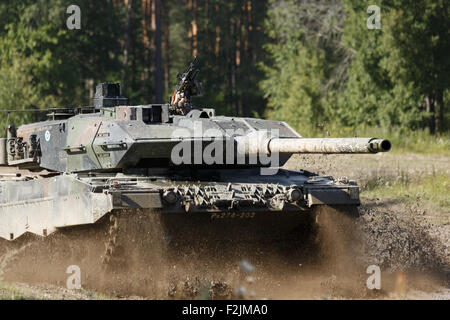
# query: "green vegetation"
[[27, 292], [314, 64], [9, 292], [431, 190], [403, 140], [327, 66], [141, 43]]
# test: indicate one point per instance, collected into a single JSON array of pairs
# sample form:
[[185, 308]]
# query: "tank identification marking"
[[242, 215], [47, 135]]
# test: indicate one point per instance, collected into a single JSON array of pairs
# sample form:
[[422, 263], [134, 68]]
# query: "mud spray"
[[326, 258]]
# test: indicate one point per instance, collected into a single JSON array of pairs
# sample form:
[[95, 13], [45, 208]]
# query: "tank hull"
[[43, 205]]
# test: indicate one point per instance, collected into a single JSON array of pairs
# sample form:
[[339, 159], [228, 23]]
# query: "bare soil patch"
[[396, 235]]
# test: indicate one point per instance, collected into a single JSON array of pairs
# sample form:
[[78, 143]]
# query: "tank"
[[184, 169]]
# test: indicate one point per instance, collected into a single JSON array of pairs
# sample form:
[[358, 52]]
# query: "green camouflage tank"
[[199, 172]]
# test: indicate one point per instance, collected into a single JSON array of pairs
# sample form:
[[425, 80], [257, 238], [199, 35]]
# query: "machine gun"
[[186, 88]]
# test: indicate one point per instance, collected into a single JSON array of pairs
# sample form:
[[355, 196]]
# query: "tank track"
[[131, 252]]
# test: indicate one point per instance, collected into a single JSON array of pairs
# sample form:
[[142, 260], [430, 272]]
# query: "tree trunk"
[[194, 29], [238, 57], [206, 45], [429, 103], [126, 47], [189, 12], [232, 59], [166, 47], [218, 36], [146, 31], [91, 85], [159, 81], [439, 112]]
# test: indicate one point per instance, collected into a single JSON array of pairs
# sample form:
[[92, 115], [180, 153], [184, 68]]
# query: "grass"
[[431, 190], [8, 292], [403, 141], [17, 292]]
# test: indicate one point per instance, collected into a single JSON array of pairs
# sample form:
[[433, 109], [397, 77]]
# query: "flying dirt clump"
[[399, 240]]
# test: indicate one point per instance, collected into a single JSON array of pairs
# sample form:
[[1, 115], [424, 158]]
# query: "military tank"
[[218, 177]]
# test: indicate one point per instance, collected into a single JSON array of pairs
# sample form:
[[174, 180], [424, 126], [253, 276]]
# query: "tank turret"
[[110, 137], [114, 136]]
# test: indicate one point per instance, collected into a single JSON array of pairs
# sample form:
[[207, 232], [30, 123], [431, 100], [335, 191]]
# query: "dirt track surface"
[[388, 166], [361, 167], [412, 253]]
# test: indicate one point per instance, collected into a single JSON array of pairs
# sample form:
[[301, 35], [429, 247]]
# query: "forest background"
[[328, 68]]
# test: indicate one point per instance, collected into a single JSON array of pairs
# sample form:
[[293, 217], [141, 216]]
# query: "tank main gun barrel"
[[262, 143], [328, 145]]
